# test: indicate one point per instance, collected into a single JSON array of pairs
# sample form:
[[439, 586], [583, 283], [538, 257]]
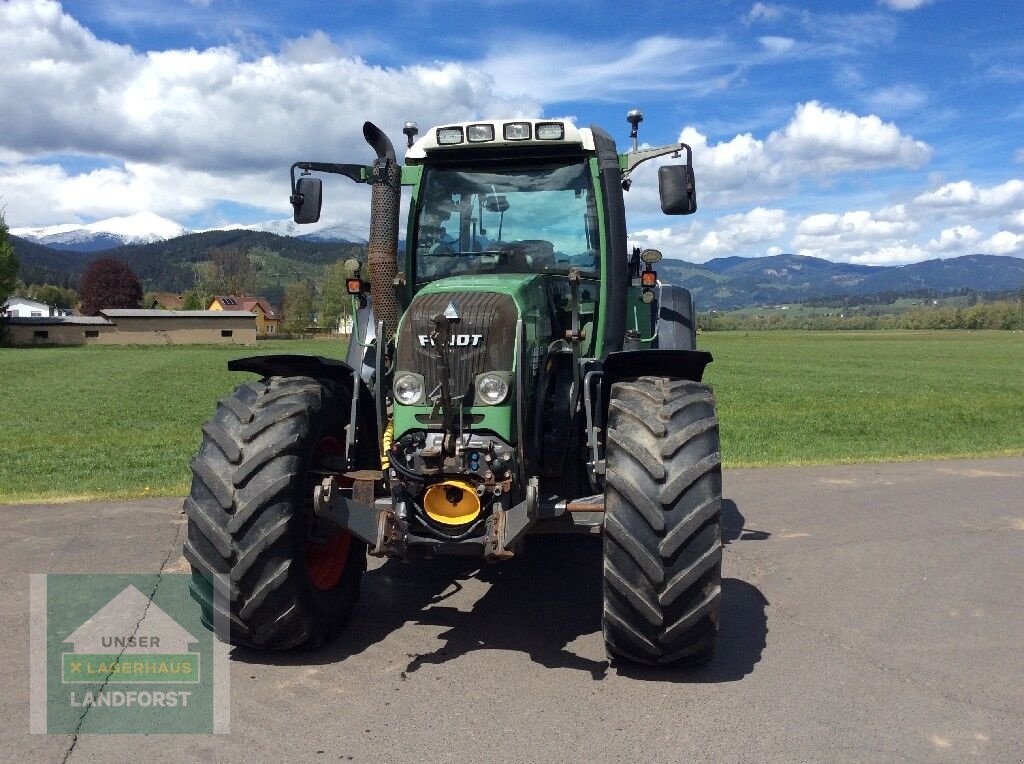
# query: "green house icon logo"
[[130, 640]]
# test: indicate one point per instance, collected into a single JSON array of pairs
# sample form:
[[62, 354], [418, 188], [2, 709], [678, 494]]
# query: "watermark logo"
[[124, 654]]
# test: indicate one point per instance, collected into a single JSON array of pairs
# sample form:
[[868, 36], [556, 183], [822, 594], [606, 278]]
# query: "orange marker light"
[[649, 278], [354, 286]]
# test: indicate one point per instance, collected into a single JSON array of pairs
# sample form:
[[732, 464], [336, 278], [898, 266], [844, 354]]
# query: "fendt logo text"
[[456, 340]]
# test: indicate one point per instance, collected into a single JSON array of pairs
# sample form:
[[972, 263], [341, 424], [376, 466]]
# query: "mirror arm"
[[357, 172], [635, 158]]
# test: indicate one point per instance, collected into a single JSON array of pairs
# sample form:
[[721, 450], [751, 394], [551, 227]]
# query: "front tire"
[[662, 539], [250, 517]]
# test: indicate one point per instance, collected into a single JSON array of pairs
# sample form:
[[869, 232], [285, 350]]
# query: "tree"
[[207, 284], [109, 283], [335, 301], [8, 263], [233, 270], [298, 307], [194, 301], [57, 296]]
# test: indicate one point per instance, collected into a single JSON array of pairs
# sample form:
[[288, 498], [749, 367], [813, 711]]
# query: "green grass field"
[[113, 420], [124, 421], [828, 397]]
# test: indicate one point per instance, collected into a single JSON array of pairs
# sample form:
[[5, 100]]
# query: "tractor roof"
[[500, 132]]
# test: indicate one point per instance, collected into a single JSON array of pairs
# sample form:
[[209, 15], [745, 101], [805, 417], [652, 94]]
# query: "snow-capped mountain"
[[140, 228], [147, 227], [325, 230]]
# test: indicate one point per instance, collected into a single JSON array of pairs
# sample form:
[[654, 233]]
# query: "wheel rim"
[[325, 562], [326, 558]]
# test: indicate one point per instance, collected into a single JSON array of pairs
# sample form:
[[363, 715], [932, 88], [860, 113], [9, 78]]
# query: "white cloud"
[[777, 45], [904, 5], [1015, 220], [897, 213], [896, 99], [849, 33], [962, 197], [860, 223], [958, 194], [739, 168], [764, 12], [890, 236], [955, 240], [739, 231], [817, 142], [830, 140], [894, 254], [199, 114], [556, 69], [1004, 243], [857, 237], [848, 77], [46, 194], [728, 235]]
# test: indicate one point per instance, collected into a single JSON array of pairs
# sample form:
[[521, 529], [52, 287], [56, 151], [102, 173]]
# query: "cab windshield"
[[522, 220]]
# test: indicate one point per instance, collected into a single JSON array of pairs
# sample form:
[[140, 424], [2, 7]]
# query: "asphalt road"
[[871, 613]]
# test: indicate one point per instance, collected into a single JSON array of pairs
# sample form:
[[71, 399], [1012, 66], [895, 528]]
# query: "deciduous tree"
[[58, 297], [335, 301], [298, 307], [8, 263], [234, 272], [194, 301], [109, 283]]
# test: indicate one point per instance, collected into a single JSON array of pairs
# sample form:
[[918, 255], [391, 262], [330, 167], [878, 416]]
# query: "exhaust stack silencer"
[[382, 251]]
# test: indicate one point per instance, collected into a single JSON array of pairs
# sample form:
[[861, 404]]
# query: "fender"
[[364, 453], [284, 365], [630, 364]]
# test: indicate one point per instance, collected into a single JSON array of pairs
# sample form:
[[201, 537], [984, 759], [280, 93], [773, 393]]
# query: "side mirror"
[[496, 203], [307, 199], [677, 189]]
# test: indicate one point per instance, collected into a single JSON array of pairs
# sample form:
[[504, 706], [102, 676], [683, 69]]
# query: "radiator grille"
[[490, 315]]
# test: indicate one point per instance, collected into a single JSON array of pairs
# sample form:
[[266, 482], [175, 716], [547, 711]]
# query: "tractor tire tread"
[[663, 553], [247, 513]]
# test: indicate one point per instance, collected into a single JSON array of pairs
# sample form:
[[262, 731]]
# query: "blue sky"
[[876, 132]]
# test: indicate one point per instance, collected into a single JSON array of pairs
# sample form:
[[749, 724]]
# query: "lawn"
[[827, 397], [124, 421], [111, 420]]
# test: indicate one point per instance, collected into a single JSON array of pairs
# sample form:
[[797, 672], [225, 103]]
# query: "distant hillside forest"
[[175, 265], [1000, 314], [185, 265], [729, 283]]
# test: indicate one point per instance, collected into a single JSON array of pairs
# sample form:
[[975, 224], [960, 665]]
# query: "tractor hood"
[[484, 339], [519, 286], [483, 335]]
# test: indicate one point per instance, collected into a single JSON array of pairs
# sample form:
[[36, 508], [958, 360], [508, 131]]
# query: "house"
[[167, 301], [132, 326], [268, 322], [58, 330], [22, 307], [130, 623]]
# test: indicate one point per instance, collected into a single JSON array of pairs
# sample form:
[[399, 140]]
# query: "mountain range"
[[166, 262], [149, 228], [726, 283]]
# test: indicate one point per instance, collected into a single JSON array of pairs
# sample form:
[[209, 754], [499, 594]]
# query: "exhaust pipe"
[[382, 251]]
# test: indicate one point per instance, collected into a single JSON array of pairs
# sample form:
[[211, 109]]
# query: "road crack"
[[175, 545]]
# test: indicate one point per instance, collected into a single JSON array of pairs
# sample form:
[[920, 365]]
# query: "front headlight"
[[408, 389], [492, 387]]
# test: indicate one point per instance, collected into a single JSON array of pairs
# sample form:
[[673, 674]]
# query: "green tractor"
[[518, 369]]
